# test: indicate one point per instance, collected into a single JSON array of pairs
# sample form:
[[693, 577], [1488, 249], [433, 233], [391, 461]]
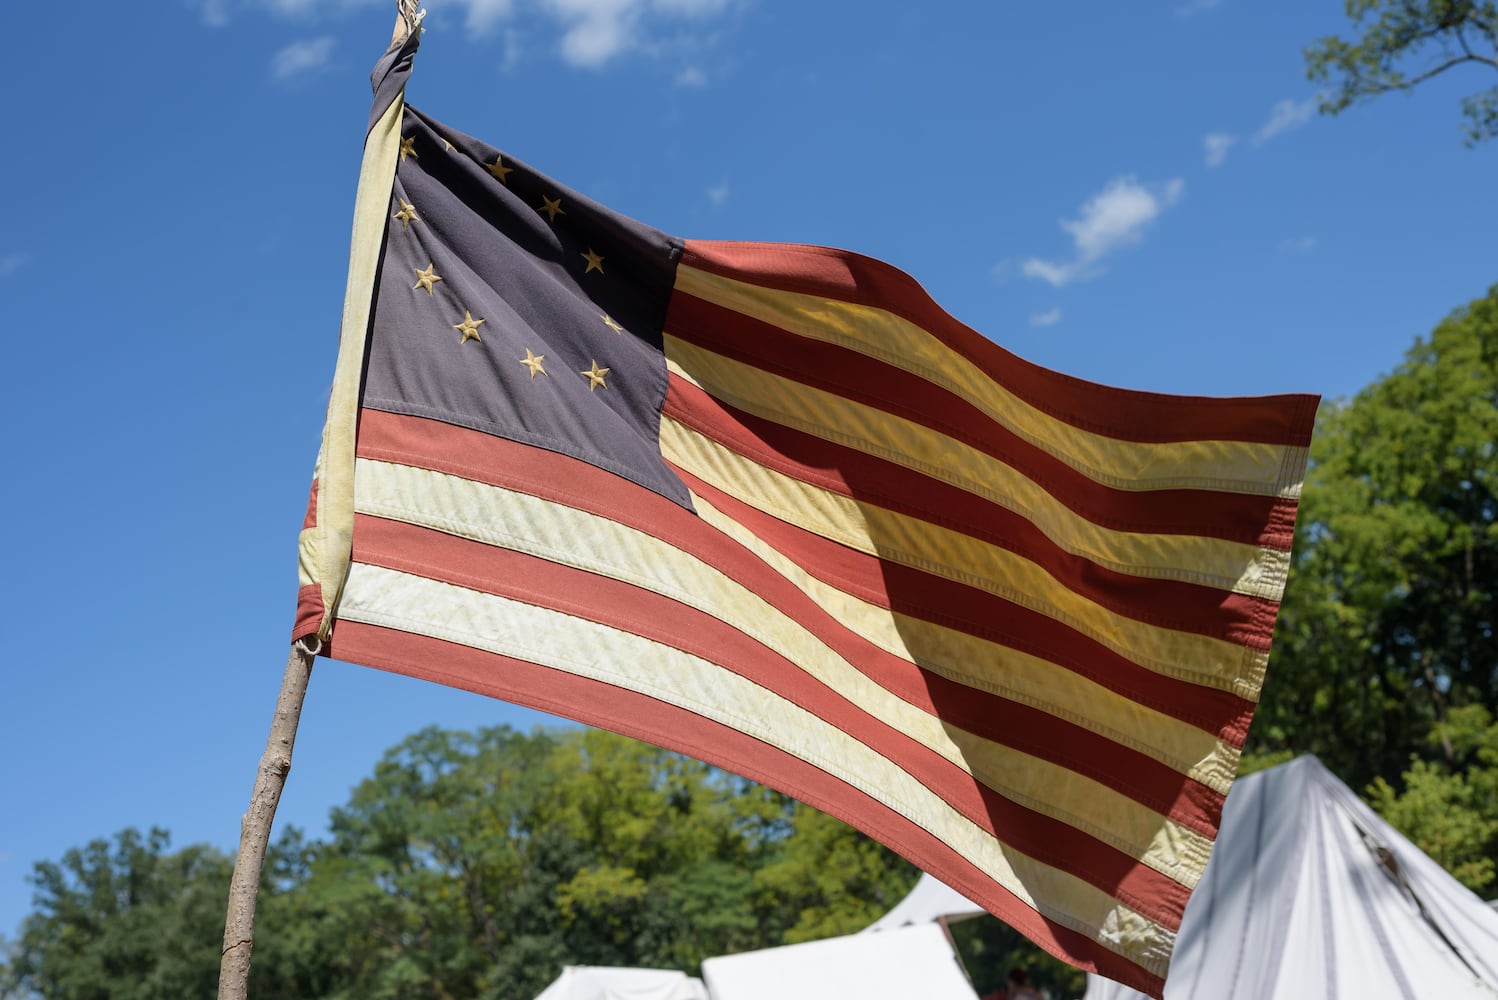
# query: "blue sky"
[[1137, 194]]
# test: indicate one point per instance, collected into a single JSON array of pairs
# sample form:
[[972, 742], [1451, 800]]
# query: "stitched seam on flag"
[[418, 458], [1217, 776], [729, 294], [743, 352], [1245, 583], [791, 513], [452, 467], [1177, 835], [871, 496], [700, 257], [422, 515], [1292, 469], [1058, 524], [975, 386], [519, 435], [719, 709], [1221, 652]]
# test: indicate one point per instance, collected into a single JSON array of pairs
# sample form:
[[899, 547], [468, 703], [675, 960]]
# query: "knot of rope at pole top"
[[412, 13]]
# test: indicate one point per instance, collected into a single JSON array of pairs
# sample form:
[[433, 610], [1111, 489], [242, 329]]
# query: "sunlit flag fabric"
[[768, 505]]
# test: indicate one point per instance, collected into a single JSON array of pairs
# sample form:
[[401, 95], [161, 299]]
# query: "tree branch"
[[1385, 88]]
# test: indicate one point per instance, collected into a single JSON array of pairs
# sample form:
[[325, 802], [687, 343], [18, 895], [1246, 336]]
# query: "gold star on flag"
[[533, 362], [408, 148], [407, 214], [426, 279], [498, 169], [552, 207], [595, 376], [447, 146], [469, 328], [595, 262], [612, 323]]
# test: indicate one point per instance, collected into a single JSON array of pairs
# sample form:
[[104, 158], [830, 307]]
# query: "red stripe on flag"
[[309, 602], [582, 594], [1151, 417], [645, 718], [310, 519], [979, 613], [309, 611], [847, 472], [457, 451], [1214, 513]]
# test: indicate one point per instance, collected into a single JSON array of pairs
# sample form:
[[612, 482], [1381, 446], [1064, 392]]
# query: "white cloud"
[[11, 263], [290, 8], [1056, 274], [595, 40], [1048, 318], [1301, 244], [514, 50], [691, 8], [587, 33], [1112, 219], [595, 31], [215, 12], [1286, 115], [1215, 146], [692, 76], [484, 15], [301, 58], [718, 194]]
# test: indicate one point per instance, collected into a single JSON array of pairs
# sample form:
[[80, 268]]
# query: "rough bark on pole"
[[254, 829]]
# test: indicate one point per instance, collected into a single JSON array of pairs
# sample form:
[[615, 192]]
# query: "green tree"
[[1389, 615], [826, 879], [1450, 808], [468, 865], [123, 920], [127, 919], [990, 948], [434, 880], [1404, 43], [477, 865], [10, 987]]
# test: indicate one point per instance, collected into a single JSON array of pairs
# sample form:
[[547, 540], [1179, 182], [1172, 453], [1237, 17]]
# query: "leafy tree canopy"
[[124, 919], [1390, 610], [1404, 43], [469, 865], [1385, 646]]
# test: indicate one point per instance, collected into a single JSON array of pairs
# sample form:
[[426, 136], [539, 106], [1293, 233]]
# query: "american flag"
[[770, 506]]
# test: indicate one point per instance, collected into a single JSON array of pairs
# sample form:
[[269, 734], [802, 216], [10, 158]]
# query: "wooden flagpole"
[[275, 763], [254, 829]]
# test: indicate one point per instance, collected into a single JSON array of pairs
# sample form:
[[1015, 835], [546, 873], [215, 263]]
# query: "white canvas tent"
[[597, 982], [912, 958], [1309, 894], [929, 901], [908, 963]]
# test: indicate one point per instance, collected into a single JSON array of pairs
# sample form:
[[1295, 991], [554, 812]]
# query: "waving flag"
[[770, 506]]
